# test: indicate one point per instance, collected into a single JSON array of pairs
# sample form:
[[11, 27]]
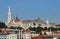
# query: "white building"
[[26, 23], [26, 35], [12, 36], [3, 35], [8, 36]]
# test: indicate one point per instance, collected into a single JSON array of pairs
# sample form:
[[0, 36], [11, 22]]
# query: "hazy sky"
[[31, 9]]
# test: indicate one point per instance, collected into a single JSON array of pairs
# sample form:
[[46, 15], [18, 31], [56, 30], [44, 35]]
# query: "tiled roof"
[[26, 21], [26, 31], [34, 21], [45, 30], [16, 19]]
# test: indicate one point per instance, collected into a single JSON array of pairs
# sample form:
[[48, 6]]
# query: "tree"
[[51, 28], [45, 28], [39, 28], [0, 31], [2, 25], [30, 28], [34, 28], [11, 27], [59, 38], [58, 28], [20, 28]]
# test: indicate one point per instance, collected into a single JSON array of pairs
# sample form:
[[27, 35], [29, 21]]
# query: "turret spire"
[[9, 15], [9, 8]]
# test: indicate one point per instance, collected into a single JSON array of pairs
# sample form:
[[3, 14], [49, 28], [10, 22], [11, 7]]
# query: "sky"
[[31, 9]]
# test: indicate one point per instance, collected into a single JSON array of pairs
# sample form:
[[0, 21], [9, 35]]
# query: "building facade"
[[26, 23], [12, 36], [4, 35]]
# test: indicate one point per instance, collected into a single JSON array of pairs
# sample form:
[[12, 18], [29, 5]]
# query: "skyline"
[[31, 9]]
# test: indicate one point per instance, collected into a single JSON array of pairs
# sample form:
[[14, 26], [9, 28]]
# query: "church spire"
[[9, 15], [9, 8], [47, 22]]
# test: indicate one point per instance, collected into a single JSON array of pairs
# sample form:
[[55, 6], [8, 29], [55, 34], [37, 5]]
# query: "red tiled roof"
[[37, 37], [15, 20], [5, 30], [45, 30], [26, 30]]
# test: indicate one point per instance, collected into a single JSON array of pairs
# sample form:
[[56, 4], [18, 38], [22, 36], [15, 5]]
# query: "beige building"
[[26, 23]]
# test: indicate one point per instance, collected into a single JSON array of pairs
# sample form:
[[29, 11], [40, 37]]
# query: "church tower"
[[47, 22], [9, 15]]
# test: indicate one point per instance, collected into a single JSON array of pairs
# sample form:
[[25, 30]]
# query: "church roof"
[[34, 21], [16, 19]]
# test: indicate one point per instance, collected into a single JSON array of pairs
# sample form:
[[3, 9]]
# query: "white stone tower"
[[9, 15], [47, 22]]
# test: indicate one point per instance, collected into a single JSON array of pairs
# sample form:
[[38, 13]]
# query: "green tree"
[[20, 28], [30, 28], [51, 28], [45, 28], [12, 27], [58, 28], [2, 25], [39, 28], [34, 28]]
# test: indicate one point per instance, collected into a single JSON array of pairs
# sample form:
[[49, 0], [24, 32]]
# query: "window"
[[34, 24], [5, 38], [39, 25]]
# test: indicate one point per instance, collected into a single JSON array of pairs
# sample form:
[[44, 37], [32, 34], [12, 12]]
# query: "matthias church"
[[16, 22]]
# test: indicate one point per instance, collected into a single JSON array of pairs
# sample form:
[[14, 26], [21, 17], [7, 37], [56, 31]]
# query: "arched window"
[[39, 25], [34, 24]]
